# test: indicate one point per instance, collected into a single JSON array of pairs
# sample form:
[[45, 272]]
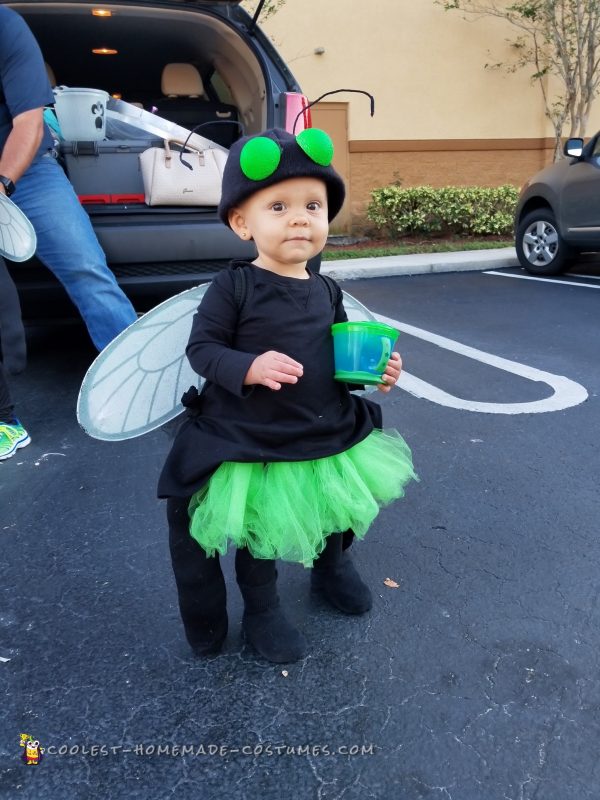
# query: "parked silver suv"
[[558, 213]]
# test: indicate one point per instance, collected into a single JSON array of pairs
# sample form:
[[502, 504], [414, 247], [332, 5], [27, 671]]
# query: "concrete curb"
[[421, 264]]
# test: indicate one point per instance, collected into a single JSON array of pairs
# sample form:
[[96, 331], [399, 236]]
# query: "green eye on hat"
[[317, 145], [260, 156]]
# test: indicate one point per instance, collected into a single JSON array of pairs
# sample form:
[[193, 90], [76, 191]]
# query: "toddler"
[[275, 456]]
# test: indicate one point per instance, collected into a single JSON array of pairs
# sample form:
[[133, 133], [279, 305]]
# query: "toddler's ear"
[[238, 224]]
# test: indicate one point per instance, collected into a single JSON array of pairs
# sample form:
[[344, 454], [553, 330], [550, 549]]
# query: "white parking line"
[[566, 393], [591, 277], [544, 280]]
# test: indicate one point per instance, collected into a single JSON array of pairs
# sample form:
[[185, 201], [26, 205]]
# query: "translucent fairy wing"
[[136, 383], [134, 386], [17, 237], [356, 311]]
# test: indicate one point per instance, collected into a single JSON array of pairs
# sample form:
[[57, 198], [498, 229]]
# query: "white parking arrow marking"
[[566, 394]]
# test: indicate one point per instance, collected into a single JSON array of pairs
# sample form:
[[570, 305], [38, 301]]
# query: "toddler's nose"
[[300, 219]]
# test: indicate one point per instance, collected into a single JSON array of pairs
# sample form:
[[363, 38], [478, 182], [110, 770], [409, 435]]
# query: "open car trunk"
[[147, 38], [135, 236], [160, 250]]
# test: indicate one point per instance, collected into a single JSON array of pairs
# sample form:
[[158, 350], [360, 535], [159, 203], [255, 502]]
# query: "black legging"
[[193, 568]]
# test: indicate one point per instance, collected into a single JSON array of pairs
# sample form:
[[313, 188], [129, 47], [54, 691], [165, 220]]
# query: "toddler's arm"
[[272, 369], [209, 348]]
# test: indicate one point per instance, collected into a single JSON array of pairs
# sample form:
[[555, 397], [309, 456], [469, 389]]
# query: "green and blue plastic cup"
[[362, 350]]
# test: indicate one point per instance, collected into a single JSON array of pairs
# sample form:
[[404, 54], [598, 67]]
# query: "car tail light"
[[294, 104]]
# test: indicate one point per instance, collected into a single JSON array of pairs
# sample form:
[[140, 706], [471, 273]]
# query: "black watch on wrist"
[[8, 185]]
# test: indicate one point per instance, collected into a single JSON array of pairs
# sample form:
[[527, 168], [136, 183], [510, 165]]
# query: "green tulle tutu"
[[285, 510]]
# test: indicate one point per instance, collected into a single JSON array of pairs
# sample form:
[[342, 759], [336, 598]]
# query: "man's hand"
[[391, 374], [272, 369]]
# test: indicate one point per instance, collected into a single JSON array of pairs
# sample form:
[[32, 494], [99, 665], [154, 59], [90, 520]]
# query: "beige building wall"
[[440, 117]]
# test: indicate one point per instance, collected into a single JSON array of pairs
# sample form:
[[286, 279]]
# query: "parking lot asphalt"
[[475, 678]]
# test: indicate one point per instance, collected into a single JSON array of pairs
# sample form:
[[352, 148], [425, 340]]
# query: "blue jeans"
[[67, 245]]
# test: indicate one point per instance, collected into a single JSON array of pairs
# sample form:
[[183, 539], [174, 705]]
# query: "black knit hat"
[[293, 163]]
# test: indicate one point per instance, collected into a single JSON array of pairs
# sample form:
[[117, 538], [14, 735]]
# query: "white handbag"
[[168, 182]]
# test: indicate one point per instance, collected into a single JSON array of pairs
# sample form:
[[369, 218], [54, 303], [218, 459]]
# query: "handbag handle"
[[168, 142], [169, 154]]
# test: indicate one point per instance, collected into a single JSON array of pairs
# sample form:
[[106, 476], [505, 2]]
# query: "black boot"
[[264, 624], [200, 584], [335, 577]]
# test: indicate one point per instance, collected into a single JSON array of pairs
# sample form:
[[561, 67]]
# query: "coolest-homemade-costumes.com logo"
[[33, 752]]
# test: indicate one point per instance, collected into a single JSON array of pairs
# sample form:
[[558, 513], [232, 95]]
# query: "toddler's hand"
[[391, 374], [272, 369]]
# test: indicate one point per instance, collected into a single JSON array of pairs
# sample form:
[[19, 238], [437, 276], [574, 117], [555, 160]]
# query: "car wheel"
[[540, 247]]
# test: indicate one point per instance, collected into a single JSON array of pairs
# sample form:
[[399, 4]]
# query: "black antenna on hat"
[[202, 124], [335, 91]]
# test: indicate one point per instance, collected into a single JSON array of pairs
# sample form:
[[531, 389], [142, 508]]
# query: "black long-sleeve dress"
[[315, 418]]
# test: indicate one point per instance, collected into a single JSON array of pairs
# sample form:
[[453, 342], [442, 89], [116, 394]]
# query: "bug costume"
[[293, 474]]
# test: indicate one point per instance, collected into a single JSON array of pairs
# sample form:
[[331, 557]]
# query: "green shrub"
[[462, 210]]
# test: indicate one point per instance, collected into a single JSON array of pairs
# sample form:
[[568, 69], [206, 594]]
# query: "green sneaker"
[[12, 436]]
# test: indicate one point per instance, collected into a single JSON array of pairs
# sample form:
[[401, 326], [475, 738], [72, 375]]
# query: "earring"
[[243, 235]]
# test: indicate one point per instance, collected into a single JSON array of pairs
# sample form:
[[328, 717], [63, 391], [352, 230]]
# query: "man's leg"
[[12, 332], [6, 405], [68, 246], [12, 434]]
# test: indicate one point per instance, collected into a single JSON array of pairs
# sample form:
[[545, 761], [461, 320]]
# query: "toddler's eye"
[[278, 206], [314, 206]]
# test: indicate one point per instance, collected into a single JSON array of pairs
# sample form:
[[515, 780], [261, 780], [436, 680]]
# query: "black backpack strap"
[[241, 279], [331, 288]]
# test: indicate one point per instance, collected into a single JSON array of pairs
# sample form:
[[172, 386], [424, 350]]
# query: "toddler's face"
[[288, 221]]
